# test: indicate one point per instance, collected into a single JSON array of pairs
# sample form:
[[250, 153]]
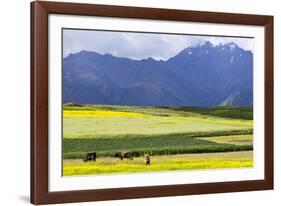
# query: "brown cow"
[[147, 159]]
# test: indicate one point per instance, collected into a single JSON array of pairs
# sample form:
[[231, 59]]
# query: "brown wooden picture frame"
[[39, 102]]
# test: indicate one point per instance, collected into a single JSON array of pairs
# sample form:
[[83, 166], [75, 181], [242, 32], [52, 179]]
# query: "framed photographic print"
[[131, 102]]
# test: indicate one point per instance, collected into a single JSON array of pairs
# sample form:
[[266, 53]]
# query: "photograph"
[[144, 102], [131, 102]]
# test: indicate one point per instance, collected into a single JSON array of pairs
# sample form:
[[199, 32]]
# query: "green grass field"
[[231, 139], [162, 132]]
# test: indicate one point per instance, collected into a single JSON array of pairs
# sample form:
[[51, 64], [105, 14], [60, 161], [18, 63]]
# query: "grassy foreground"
[[159, 163], [176, 138]]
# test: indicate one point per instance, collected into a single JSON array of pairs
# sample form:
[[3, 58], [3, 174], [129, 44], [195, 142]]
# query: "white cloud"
[[139, 45]]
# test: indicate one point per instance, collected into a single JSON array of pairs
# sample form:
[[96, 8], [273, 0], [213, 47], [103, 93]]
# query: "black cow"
[[128, 155], [90, 156], [118, 155], [122, 155], [147, 159]]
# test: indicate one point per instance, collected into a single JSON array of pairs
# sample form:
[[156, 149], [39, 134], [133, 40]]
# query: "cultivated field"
[[107, 165], [167, 134]]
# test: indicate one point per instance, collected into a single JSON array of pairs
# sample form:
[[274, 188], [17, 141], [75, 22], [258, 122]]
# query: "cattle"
[[118, 155], [147, 159], [90, 156], [122, 155], [128, 155]]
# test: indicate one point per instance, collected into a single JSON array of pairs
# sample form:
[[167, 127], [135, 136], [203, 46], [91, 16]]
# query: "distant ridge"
[[71, 104], [204, 75]]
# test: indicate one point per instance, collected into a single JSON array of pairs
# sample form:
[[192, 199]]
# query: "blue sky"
[[139, 45]]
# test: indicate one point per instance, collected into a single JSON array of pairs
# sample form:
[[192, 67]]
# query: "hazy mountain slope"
[[205, 75]]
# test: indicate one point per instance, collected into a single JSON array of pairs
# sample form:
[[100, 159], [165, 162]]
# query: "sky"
[[139, 45]]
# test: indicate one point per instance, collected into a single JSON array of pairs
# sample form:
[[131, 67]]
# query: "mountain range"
[[204, 75]]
